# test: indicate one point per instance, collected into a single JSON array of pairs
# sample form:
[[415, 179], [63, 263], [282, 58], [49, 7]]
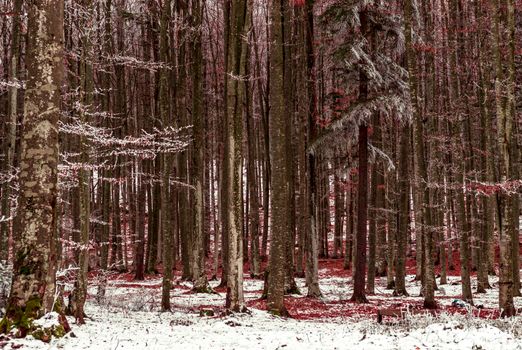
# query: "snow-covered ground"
[[129, 318], [178, 330]]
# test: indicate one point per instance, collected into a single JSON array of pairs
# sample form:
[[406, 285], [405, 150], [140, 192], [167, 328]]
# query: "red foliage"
[[304, 308], [425, 48], [314, 309], [298, 3]]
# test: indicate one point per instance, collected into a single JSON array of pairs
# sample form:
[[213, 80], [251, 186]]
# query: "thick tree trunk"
[[197, 165], [505, 104], [38, 167], [236, 63], [421, 176], [279, 199]]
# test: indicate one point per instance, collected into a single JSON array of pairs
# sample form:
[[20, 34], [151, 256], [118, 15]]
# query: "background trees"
[[207, 136]]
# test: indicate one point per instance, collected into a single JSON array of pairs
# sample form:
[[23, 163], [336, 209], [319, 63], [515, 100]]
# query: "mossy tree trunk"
[[38, 166]]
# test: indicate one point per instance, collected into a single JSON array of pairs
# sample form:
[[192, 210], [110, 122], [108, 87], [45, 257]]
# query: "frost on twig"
[[146, 145]]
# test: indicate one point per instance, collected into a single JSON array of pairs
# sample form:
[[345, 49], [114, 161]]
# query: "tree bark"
[[197, 165], [279, 203], [421, 173], [38, 166], [236, 63]]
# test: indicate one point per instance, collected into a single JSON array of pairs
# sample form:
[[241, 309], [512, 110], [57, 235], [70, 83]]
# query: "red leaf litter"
[[333, 268], [304, 308]]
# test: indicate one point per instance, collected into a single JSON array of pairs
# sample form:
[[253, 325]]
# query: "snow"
[[48, 320], [129, 318], [122, 329]]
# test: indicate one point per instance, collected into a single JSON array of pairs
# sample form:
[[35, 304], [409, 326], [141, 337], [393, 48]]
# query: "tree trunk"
[[165, 162], [421, 173], [280, 225], [252, 179], [197, 165], [38, 167], [362, 212], [505, 104], [10, 138], [86, 93], [236, 62], [403, 214], [311, 238]]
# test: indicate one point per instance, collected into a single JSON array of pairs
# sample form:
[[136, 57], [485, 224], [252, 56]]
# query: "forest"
[[238, 174]]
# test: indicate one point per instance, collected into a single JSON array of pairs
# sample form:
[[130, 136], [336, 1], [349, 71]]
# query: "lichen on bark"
[[33, 266]]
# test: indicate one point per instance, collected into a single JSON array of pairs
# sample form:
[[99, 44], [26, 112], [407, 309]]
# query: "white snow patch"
[[49, 320], [129, 318]]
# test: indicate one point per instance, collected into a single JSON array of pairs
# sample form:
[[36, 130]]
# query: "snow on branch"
[[4, 218], [361, 111], [488, 188], [133, 62], [8, 176], [7, 84], [147, 145], [388, 105], [377, 152], [389, 24]]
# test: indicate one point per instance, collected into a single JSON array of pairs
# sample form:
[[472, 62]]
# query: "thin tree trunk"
[[10, 138], [165, 162], [403, 214], [311, 240]]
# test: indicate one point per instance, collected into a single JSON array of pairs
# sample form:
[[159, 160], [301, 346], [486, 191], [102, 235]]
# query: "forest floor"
[[129, 318]]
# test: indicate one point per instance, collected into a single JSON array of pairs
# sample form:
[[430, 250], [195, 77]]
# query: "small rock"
[[206, 312], [458, 303], [232, 323]]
